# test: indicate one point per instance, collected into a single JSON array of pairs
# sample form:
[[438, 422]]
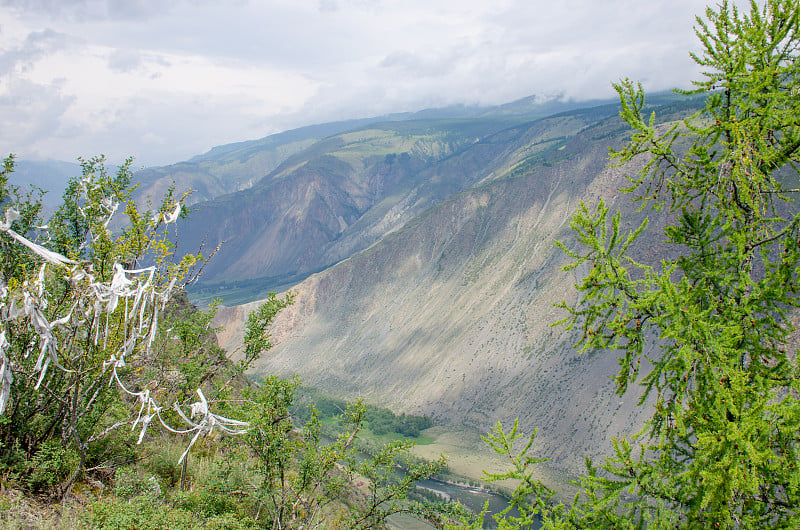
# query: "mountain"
[[449, 313], [238, 166], [331, 200], [229, 168], [314, 196], [422, 251], [49, 175], [348, 191]]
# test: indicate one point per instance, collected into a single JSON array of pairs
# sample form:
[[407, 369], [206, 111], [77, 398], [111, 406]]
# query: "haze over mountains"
[[422, 251]]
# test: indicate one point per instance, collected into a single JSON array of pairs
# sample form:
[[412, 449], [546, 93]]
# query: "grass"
[[332, 426], [468, 457], [422, 439], [18, 511]]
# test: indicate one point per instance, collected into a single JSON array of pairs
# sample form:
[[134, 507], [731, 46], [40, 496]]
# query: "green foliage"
[[29, 205], [387, 492], [164, 467], [140, 513], [310, 399], [713, 322], [130, 483], [303, 476], [51, 464], [503, 444], [116, 332], [256, 336], [64, 309], [378, 420], [208, 502], [187, 356]]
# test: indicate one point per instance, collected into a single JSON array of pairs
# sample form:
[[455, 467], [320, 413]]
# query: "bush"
[[207, 502], [230, 522], [164, 465], [50, 466], [129, 483], [140, 513]]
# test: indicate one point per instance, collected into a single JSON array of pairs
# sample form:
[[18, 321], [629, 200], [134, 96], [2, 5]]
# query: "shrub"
[[140, 513], [207, 502], [50, 466], [130, 483]]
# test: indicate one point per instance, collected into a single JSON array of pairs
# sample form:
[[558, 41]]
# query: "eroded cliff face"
[[351, 190], [452, 315]]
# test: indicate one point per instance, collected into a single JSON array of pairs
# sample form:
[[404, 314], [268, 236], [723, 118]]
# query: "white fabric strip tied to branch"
[[209, 423], [6, 376], [142, 300], [169, 218], [48, 255]]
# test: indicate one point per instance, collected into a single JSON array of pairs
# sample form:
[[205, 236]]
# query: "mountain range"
[[431, 270], [421, 248]]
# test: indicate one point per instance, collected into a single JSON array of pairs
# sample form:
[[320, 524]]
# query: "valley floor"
[[469, 456]]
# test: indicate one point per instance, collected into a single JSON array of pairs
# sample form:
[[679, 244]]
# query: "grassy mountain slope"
[[450, 315], [237, 166], [232, 167], [349, 191]]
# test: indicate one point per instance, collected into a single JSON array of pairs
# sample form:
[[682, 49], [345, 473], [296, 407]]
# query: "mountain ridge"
[[364, 184], [450, 315]]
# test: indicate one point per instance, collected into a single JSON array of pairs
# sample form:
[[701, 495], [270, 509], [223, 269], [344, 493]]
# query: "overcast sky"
[[164, 80]]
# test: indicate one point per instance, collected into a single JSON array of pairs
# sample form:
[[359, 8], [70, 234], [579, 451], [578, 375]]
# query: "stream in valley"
[[471, 497], [474, 498]]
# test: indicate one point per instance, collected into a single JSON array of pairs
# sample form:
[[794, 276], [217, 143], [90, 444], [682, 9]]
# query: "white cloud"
[[73, 10], [165, 80], [30, 112]]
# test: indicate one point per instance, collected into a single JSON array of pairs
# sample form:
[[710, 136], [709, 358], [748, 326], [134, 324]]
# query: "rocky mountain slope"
[[450, 313], [350, 190], [233, 167]]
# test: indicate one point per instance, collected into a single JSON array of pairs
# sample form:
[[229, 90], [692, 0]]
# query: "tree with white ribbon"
[[79, 306]]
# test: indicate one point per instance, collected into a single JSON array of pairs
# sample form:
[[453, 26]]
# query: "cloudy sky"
[[164, 80]]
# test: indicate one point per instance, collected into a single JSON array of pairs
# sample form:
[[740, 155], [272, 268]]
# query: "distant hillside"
[[311, 197], [350, 190], [449, 314], [49, 175], [336, 198], [238, 166], [229, 168]]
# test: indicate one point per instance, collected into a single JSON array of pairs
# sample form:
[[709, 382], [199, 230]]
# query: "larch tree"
[[709, 334]]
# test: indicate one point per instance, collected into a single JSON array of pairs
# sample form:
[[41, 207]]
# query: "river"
[[473, 498], [470, 497]]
